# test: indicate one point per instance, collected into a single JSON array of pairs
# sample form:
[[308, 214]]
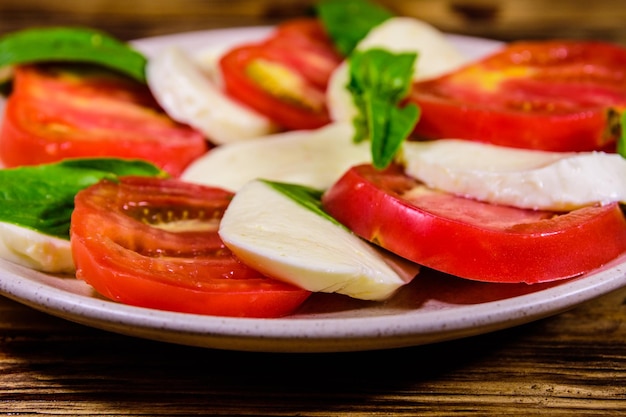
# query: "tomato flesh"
[[471, 239], [294, 96], [61, 111], [550, 95], [316, 58], [153, 243]]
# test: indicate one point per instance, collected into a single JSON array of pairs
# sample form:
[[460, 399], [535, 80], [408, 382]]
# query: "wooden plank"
[[500, 19], [574, 362]]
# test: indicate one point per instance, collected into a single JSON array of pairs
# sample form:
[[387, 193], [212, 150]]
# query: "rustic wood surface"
[[573, 364], [500, 19]]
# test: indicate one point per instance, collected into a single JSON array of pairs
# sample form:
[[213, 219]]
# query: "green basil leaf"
[[399, 127], [71, 44], [41, 197], [308, 197], [621, 141], [116, 167], [379, 81], [349, 21]]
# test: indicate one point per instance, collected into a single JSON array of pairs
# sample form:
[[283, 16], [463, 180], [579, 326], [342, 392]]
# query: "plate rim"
[[293, 334]]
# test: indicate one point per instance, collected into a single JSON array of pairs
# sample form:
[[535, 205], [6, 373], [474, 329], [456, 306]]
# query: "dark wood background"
[[573, 364], [500, 19]]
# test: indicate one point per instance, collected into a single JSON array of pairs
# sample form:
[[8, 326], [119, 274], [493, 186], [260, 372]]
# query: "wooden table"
[[573, 364]]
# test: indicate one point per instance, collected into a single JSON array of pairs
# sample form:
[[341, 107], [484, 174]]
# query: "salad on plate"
[[348, 153]]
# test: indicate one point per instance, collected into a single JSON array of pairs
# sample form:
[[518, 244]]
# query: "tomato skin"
[[470, 239], [124, 257], [57, 112], [316, 58], [559, 133], [551, 95], [301, 47]]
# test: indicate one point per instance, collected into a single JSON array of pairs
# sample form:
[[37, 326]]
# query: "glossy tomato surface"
[[285, 76], [61, 111], [549, 95], [471, 239], [153, 243]]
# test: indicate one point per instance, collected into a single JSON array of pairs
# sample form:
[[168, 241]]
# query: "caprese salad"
[[341, 153]]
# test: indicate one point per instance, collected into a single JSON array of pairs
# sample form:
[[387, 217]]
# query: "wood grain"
[[499, 19], [570, 364]]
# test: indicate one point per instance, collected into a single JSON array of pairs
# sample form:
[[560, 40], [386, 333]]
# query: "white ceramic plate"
[[434, 307]]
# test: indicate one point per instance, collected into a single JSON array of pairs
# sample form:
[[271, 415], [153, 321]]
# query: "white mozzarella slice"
[[192, 96], [35, 250], [282, 239], [518, 177], [436, 56], [339, 100], [308, 157]]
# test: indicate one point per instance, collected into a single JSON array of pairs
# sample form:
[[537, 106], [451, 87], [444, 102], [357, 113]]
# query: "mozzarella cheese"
[[281, 238], [436, 56], [35, 250], [309, 157], [193, 96], [517, 177]]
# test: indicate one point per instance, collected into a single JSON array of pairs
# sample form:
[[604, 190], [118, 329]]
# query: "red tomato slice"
[[316, 56], [551, 95], [471, 239], [57, 112], [284, 77], [153, 243]]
